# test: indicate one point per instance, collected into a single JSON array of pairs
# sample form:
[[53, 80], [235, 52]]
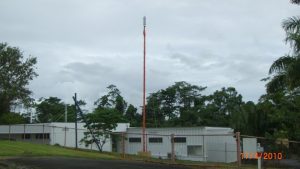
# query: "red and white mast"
[[144, 88]]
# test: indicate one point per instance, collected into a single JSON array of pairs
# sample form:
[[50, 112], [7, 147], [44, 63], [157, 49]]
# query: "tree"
[[285, 71], [102, 121], [52, 109], [244, 118], [29, 115], [282, 113], [278, 111], [12, 118], [120, 104], [15, 75], [110, 109], [189, 98], [175, 105], [295, 1], [292, 29], [221, 104], [154, 114], [132, 116], [112, 99], [280, 81]]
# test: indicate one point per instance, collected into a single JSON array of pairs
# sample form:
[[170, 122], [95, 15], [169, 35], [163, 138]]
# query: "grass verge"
[[22, 149], [15, 148]]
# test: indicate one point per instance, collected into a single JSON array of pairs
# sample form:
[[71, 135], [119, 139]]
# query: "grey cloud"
[[82, 70], [85, 46], [198, 61]]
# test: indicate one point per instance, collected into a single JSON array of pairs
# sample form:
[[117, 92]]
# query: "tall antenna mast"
[[144, 88]]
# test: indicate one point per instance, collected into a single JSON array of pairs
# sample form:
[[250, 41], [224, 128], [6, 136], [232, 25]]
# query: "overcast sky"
[[83, 46]]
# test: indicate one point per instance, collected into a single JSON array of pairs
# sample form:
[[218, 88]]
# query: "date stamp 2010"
[[264, 155]]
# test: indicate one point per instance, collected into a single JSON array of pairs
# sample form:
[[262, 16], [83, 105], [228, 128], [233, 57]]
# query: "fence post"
[[203, 152], [65, 141], [53, 136], [24, 132], [238, 143], [225, 152], [123, 145], [9, 132], [43, 133], [146, 142], [173, 148]]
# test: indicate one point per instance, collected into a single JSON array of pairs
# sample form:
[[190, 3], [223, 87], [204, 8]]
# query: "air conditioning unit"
[[170, 155]]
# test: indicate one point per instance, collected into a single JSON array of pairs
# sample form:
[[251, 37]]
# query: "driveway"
[[80, 163]]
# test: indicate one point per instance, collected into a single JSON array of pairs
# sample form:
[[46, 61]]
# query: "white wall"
[[220, 148], [27, 128], [209, 148], [214, 148], [60, 133], [162, 149]]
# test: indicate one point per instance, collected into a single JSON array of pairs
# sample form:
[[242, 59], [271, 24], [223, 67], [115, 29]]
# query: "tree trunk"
[[4, 105]]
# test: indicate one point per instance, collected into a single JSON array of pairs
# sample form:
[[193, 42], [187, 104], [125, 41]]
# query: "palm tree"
[[286, 74], [285, 71], [295, 1], [292, 29]]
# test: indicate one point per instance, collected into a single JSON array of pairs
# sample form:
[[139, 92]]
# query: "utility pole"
[[30, 116], [238, 148], [66, 113], [144, 88], [78, 110]]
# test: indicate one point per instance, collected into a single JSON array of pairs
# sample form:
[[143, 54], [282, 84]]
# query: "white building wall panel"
[[25, 128], [158, 149], [221, 148], [209, 148], [60, 130], [45, 128], [4, 129], [17, 129], [181, 150], [62, 134]]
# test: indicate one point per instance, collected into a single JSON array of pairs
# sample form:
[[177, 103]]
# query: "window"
[[180, 140], [195, 150], [25, 136], [40, 136], [155, 140], [135, 140], [47, 136]]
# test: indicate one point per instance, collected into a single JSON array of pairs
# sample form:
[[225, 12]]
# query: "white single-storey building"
[[62, 134], [216, 144]]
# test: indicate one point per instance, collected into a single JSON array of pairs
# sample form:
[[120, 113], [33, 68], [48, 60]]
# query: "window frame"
[[134, 139], [26, 136], [155, 140], [179, 139], [39, 136]]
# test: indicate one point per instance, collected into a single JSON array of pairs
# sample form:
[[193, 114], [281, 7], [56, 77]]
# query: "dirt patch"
[[81, 163]]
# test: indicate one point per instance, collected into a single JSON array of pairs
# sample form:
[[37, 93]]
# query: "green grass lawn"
[[15, 148], [19, 149]]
